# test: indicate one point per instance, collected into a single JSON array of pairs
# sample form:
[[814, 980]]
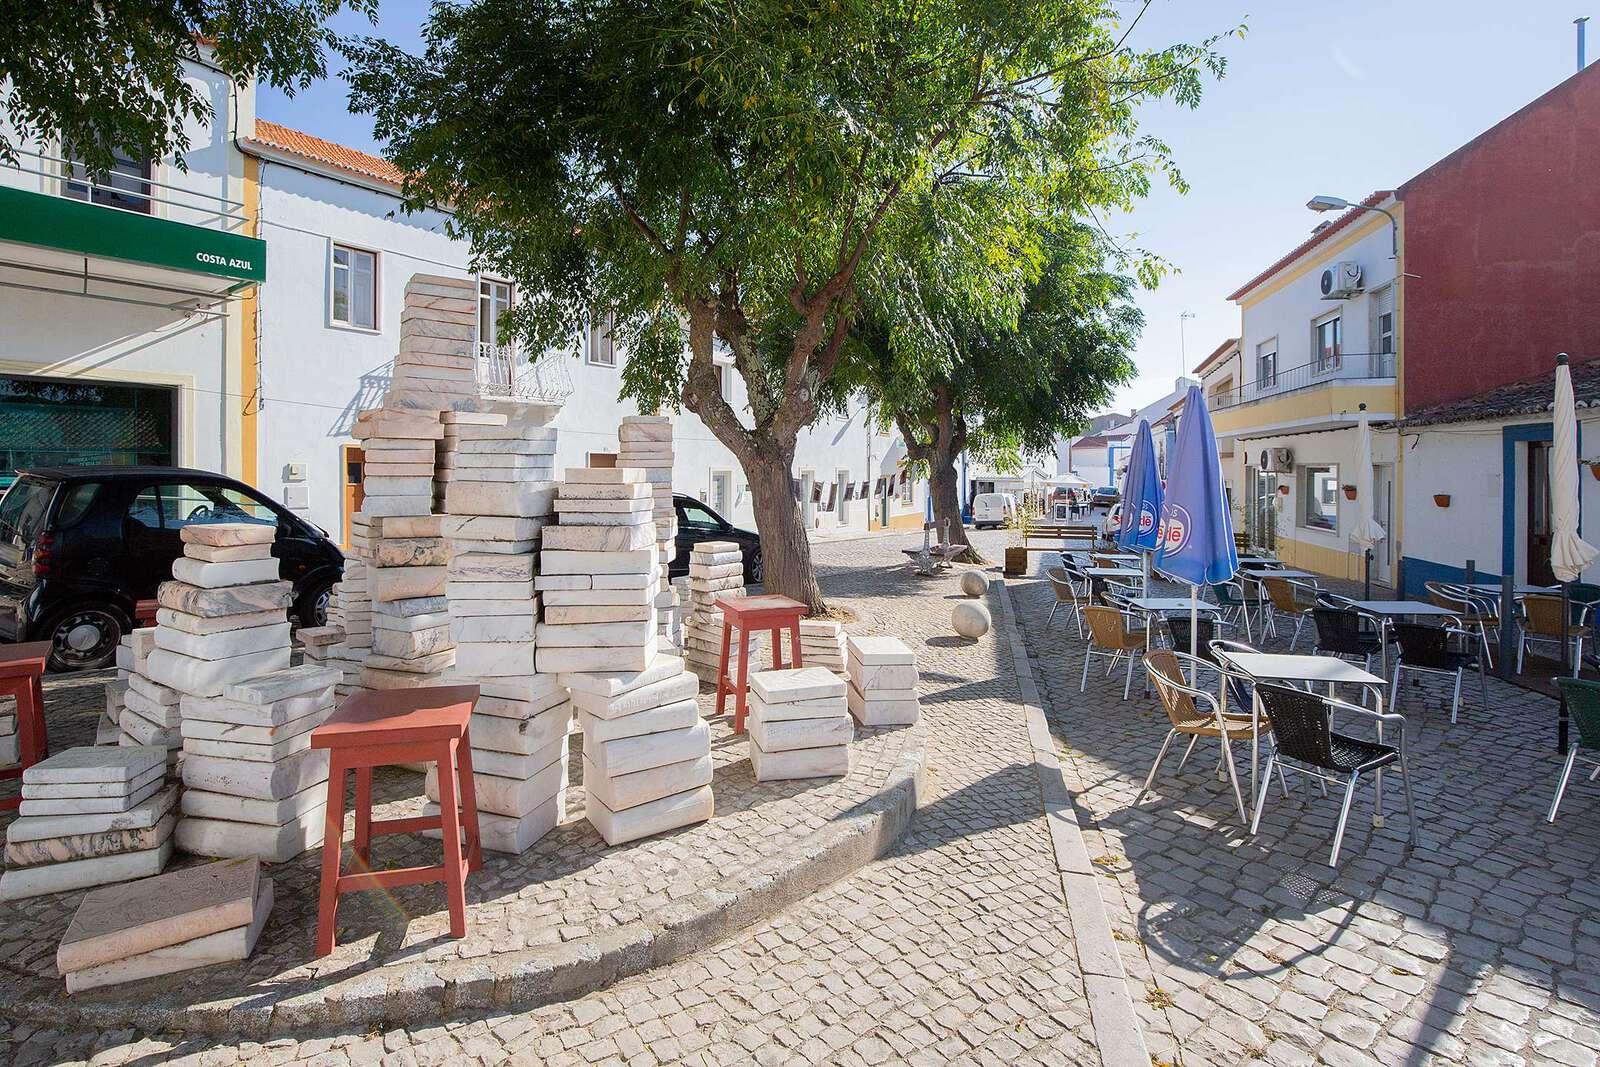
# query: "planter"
[[1349, 492], [1283, 490], [1016, 562], [1594, 469], [1442, 499]]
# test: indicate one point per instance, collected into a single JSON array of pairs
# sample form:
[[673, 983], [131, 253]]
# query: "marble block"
[[713, 548], [98, 790], [251, 734], [877, 711], [411, 552], [507, 548], [646, 581], [566, 616], [675, 716], [206, 805], [642, 561], [607, 518], [505, 446], [392, 422], [431, 663], [716, 585], [382, 484], [234, 748], [393, 454], [818, 708], [802, 683], [96, 805], [208, 677], [520, 737], [609, 684], [491, 528], [275, 686], [493, 658], [519, 431], [405, 643], [635, 505], [565, 583], [652, 817], [871, 677], [94, 763], [570, 660], [152, 692], [492, 567], [621, 791], [404, 583], [599, 538], [875, 650], [669, 689], [522, 591], [425, 525], [485, 609], [221, 575], [603, 475], [568, 598], [228, 553], [540, 690], [139, 817], [628, 754], [584, 635], [222, 839], [394, 506], [21, 882], [371, 677], [783, 736], [149, 710], [237, 600], [511, 797], [504, 474], [226, 644], [517, 765], [490, 628], [411, 607], [517, 499], [501, 833], [88, 846], [831, 762], [225, 945], [259, 781], [713, 572], [228, 534], [411, 623]]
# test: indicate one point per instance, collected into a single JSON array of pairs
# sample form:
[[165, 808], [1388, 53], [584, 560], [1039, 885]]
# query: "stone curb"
[[409, 994], [1111, 1012]]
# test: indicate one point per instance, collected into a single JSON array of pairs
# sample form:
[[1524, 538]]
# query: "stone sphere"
[[970, 619], [973, 583]]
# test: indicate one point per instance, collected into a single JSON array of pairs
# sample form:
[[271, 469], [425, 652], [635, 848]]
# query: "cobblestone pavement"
[[956, 946], [1478, 947]]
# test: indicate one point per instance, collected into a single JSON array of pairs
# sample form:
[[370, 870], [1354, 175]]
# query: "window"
[[1327, 343], [1267, 364], [905, 489], [75, 505], [1382, 306], [725, 381], [1319, 498], [494, 300], [125, 186], [184, 505], [599, 346], [355, 288], [693, 515]]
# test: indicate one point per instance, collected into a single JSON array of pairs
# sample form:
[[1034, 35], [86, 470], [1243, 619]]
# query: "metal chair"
[[1204, 632], [1196, 720], [1066, 596], [1541, 622], [1285, 596], [1236, 604], [1110, 637], [1474, 611], [1447, 650], [1583, 704], [1344, 632], [1303, 740]]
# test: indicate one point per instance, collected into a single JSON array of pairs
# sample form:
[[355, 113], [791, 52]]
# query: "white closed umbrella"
[[1569, 553], [1367, 532]]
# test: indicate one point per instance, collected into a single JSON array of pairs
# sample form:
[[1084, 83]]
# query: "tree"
[[711, 174], [997, 385], [107, 77]]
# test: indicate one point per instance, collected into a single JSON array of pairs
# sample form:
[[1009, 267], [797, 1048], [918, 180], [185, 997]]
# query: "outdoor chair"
[[1303, 740], [1205, 631], [1294, 599], [1067, 596], [1475, 612], [1446, 650], [1236, 604], [1194, 713], [1110, 637], [1346, 633], [1240, 685], [1583, 704], [1541, 622]]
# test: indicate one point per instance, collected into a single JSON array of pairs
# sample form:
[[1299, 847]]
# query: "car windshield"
[[23, 508]]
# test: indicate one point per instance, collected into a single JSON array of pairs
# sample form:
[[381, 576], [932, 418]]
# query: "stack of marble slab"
[[883, 682], [799, 724], [133, 652], [411, 644], [646, 751], [253, 785], [221, 620], [822, 645], [173, 922], [716, 570], [90, 816], [316, 641], [598, 572], [519, 760], [646, 444], [436, 367], [350, 613]]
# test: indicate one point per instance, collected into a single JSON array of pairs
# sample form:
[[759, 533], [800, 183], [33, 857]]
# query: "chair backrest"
[[1177, 695], [1300, 723], [1061, 584], [1422, 645], [1542, 615], [1107, 628], [1282, 594], [1339, 631], [1227, 594], [1438, 597], [1239, 683], [1205, 629], [1583, 701]]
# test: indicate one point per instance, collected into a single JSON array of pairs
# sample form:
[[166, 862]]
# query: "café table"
[[1386, 610], [1258, 561]]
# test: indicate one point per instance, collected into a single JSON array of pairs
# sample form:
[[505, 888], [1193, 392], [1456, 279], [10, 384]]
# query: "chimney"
[[1580, 23]]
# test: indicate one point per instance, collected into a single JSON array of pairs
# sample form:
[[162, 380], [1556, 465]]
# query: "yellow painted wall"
[[1318, 402], [1319, 559]]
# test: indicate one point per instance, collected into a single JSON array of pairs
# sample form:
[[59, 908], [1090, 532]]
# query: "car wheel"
[[85, 638], [755, 571], [312, 608]]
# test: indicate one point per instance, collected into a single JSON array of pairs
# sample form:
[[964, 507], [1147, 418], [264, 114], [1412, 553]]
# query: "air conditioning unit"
[[1341, 280], [1277, 460]]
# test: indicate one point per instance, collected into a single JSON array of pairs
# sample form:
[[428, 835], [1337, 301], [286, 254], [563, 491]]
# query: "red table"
[[750, 615], [380, 729], [21, 676]]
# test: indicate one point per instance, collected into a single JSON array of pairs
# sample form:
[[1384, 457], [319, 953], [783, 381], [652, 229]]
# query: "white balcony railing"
[[1344, 367], [503, 374], [57, 176]]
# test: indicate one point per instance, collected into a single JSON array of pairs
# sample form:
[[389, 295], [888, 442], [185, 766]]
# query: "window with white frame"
[[1382, 305], [599, 347], [355, 287], [725, 380], [905, 489], [1327, 342], [1267, 364], [1319, 497], [494, 300]]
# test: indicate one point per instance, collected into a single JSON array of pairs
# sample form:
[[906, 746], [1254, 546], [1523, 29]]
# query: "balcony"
[[503, 374], [1346, 368]]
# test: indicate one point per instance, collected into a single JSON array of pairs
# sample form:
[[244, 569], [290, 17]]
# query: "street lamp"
[[1183, 353], [1339, 203]]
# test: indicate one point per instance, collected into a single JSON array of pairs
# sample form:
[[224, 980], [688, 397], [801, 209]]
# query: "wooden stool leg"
[[455, 875], [332, 842], [777, 649], [363, 842], [722, 667], [744, 674], [469, 804], [794, 643]]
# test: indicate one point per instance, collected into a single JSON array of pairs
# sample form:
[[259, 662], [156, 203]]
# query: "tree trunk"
[[944, 488], [785, 549]]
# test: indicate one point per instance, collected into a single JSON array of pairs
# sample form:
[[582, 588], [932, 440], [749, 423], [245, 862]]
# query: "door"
[[721, 492], [808, 507], [355, 465], [1264, 509], [1538, 524], [842, 479], [1383, 512]]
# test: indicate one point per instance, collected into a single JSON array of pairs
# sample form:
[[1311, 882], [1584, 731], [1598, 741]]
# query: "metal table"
[[1384, 610]]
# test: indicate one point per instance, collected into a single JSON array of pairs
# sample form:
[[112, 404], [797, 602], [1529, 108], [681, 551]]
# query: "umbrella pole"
[[1194, 622], [1366, 583], [1562, 714]]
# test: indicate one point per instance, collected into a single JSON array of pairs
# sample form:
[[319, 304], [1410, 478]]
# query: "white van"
[[993, 509]]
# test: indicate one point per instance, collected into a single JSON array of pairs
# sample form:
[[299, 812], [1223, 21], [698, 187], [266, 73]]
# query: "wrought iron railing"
[[58, 176], [1346, 366], [503, 374]]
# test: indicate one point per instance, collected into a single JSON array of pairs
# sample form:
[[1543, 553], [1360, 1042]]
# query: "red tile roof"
[[1313, 241], [1221, 350], [316, 150]]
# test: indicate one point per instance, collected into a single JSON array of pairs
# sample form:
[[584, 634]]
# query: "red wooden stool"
[[750, 615], [21, 676], [379, 729]]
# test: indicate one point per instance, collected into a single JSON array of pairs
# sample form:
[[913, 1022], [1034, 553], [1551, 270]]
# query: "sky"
[[1319, 97]]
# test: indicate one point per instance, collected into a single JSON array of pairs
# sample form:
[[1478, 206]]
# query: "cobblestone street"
[[957, 945]]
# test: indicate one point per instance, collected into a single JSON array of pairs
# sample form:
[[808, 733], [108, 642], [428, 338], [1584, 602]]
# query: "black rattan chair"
[[1303, 740], [1344, 632], [1446, 650]]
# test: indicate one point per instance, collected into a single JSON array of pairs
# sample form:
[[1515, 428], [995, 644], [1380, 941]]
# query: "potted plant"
[[1283, 490], [1442, 499], [1349, 492]]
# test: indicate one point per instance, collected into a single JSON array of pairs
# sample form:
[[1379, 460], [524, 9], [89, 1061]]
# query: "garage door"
[[56, 422]]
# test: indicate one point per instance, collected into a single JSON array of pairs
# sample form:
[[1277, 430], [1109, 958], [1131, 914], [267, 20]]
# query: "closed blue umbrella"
[[1139, 530], [1196, 526]]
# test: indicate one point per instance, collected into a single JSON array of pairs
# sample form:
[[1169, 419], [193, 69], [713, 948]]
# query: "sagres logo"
[[1174, 528], [1147, 520]]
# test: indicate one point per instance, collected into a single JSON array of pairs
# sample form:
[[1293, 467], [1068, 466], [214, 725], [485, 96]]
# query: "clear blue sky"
[[1320, 97]]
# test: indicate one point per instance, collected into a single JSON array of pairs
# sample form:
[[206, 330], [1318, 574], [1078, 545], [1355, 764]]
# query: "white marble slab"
[[800, 763], [510, 797], [211, 603], [226, 644], [557, 660], [803, 683], [224, 839], [585, 635], [493, 658], [519, 591], [493, 628], [94, 763], [628, 754], [605, 597], [875, 650], [621, 791], [871, 711], [228, 553], [96, 790], [20, 882], [203, 804], [403, 583], [514, 836], [784, 736], [260, 781], [139, 817], [228, 534], [203, 677], [654, 817]]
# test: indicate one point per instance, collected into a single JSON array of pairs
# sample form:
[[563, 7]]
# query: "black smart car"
[[696, 523], [80, 546]]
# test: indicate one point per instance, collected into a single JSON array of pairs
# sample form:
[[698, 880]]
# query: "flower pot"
[[1594, 469], [1284, 490], [1349, 492], [1442, 499]]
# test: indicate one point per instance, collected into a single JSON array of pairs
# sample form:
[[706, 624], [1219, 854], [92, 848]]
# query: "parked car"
[[696, 523], [80, 546], [993, 510], [1105, 496]]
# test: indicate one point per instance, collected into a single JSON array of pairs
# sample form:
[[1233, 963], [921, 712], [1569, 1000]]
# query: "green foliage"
[[107, 75]]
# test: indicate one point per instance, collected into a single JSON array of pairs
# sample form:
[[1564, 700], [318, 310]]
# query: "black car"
[[696, 523], [80, 546]]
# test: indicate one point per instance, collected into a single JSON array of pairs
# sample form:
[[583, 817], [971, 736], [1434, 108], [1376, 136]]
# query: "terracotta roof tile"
[[1530, 397], [318, 150], [1311, 242], [1224, 348]]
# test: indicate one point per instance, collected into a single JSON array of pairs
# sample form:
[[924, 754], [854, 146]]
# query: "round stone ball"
[[973, 583], [970, 619]]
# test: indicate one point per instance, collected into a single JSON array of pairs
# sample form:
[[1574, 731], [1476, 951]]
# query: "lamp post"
[[1339, 203], [1183, 354]]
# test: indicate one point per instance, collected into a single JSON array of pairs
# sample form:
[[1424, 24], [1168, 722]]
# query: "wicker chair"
[[1345, 632], [1194, 720], [1446, 650], [1067, 596], [1110, 637], [1541, 622], [1205, 631], [1303, 740], [1286, 597], [1583, 704]]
